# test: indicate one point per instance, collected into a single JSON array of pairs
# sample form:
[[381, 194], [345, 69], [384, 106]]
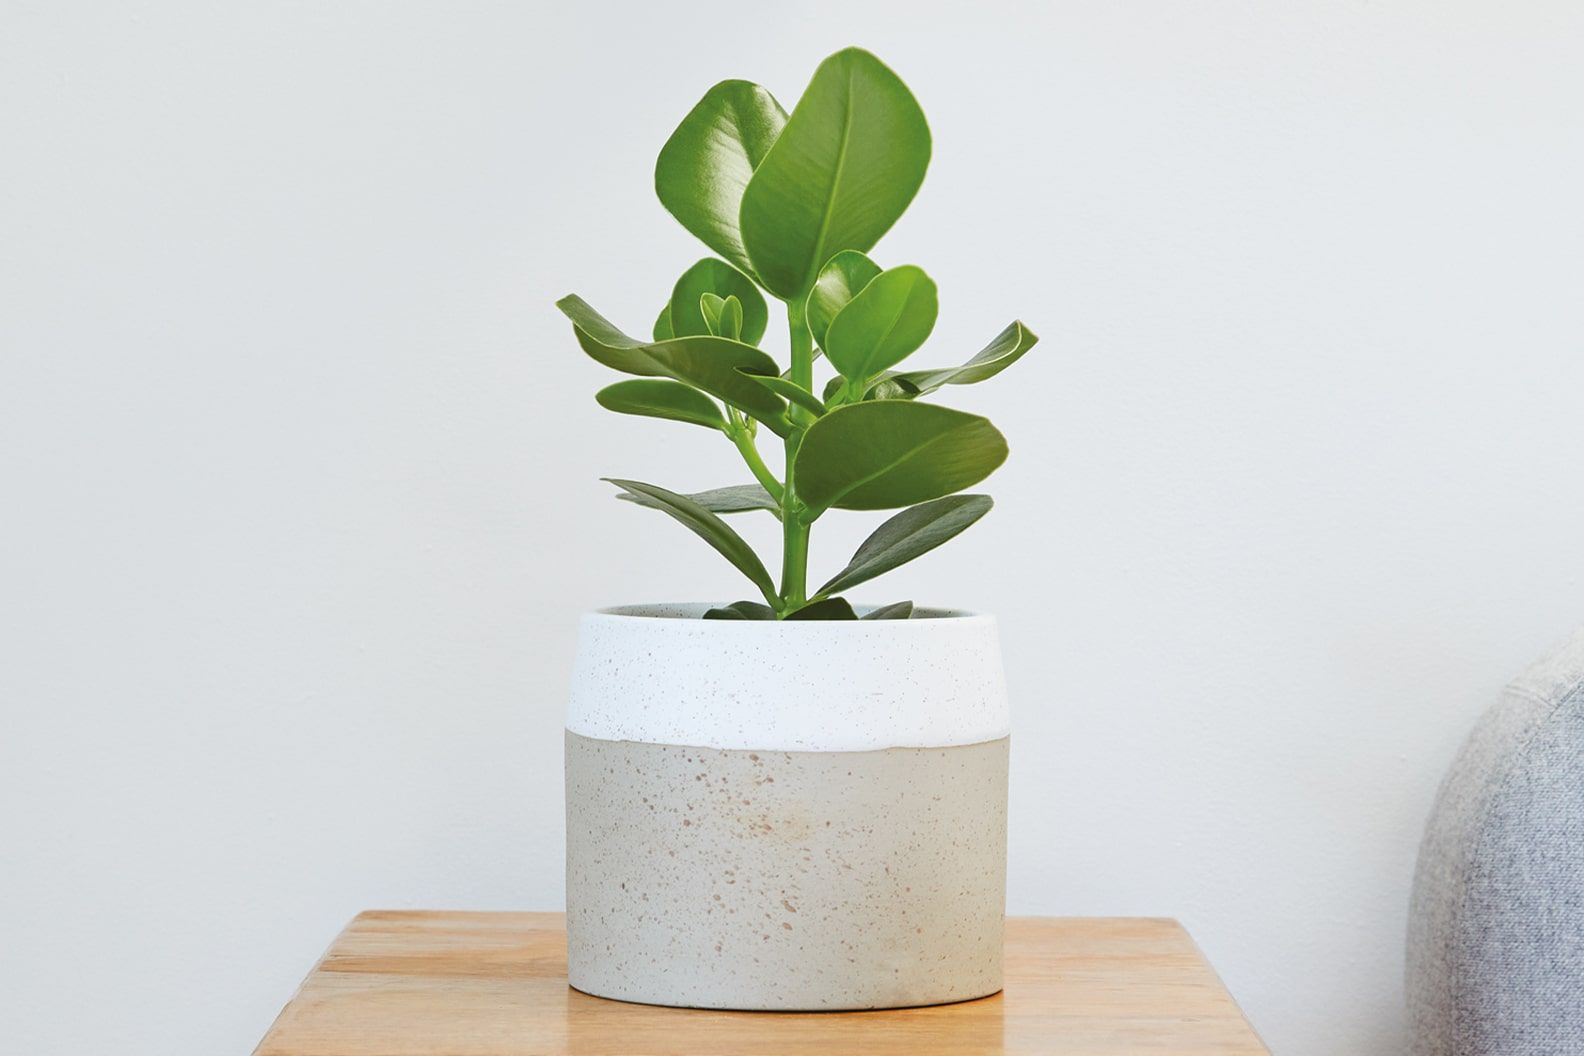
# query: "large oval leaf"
[[709, 159], [721, 279], [1007, 348], [714, 364], [884, 324], [659, 398], [884, 454], [839, 282], [848, 162], [911, 533], [708, 527], [734, 498]]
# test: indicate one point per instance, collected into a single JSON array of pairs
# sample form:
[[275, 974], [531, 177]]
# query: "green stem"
[[794, 533], [738, 431]]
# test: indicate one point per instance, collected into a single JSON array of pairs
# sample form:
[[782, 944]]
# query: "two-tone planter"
[[786, 815]]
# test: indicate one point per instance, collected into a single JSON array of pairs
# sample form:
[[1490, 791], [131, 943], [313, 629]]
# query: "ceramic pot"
[[786, 815]]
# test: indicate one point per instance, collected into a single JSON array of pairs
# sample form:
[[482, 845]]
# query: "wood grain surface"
[[414, 983]]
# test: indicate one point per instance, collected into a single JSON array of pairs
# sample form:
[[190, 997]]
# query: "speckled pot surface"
[[745, 831]]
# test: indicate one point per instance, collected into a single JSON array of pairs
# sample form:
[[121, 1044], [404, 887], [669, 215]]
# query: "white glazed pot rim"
[[694, 610], [659, 675]]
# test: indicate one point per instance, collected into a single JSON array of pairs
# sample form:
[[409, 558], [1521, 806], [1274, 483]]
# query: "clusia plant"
[[793, 205]]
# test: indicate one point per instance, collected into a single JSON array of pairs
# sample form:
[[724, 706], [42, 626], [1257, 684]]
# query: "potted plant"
[[793, 801]]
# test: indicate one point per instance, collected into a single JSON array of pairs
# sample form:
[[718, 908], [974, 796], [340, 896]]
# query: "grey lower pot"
[[786, 816]]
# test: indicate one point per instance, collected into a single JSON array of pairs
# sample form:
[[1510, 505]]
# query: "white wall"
[[300, 462]]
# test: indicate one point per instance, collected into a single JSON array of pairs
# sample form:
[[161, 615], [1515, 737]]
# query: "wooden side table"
[[494, 984]]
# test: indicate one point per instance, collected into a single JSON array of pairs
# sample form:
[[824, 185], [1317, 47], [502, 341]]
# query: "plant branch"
[[743, 438], [795, 533]]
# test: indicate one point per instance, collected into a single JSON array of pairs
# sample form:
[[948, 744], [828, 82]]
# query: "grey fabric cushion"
[[1496, 929]]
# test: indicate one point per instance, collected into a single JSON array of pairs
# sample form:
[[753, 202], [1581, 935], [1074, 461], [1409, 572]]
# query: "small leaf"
[[1007, 348], [897, 610], [709, 159], [707, 363], [888, 386], [741, 610], [845, 167], [708, 527], [659, 398], [662, 326], [911, 533], [885, 323], [885, 454], [839, 282], [791, 390], [735, 498], [711, 304], [828, 609], [723, 317], [721, 279]]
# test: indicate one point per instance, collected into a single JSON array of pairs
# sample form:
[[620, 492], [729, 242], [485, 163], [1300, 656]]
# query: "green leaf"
[[828, 609], [884, 454], [723, 317], [708, 527], [735, 498], [845, 167], [662, 326], [833, 388], [659, 398], [791, 390], [884, 324], [709, 159], [741, 610], [1007, 348], [708, 363], [897, 610], [909, 534], [721, 279], [839, 282]]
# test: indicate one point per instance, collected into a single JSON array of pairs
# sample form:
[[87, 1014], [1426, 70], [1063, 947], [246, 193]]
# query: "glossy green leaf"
[[741, 610], [723, 317], [660, 398], [735, 498], [714, 364], [839, 282], [885, 454], [884, 324], [897, 610], [708, 161], [1007, 348], [828, 609], [712, 305], [711, 276], [662, 326], [708, 527], [791, 391], [845, 167], [909, 534]]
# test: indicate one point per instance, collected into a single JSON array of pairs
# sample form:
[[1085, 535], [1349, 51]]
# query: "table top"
[[412, 983]]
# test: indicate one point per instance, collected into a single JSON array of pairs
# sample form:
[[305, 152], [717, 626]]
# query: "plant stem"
[[794, 533], [750, 452]]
